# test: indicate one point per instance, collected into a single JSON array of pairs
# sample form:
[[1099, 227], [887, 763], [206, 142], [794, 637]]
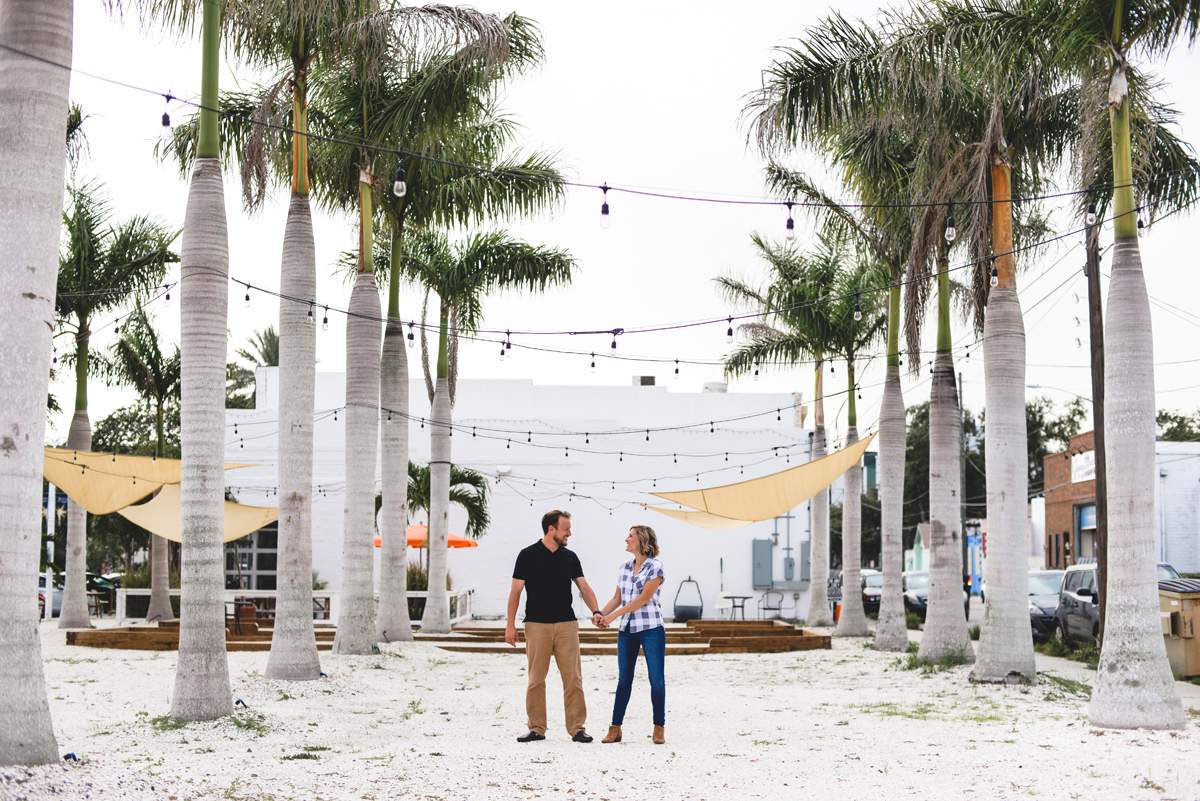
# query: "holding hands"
[[600, 621]]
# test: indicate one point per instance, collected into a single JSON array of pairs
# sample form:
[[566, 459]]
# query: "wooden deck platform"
[[697, 637]]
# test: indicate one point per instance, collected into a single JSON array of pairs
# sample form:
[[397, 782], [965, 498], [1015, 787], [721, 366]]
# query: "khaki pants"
[[562, 641]]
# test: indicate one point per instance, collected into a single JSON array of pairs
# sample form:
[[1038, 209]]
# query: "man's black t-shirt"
[[547, 576]]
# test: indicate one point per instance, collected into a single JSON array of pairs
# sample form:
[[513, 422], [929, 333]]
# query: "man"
[[545, 571]]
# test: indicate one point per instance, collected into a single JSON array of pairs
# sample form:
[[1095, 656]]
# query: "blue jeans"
[[653, 644]]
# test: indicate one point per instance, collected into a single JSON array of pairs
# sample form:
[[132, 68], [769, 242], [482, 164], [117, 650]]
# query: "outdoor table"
[[739, 605]]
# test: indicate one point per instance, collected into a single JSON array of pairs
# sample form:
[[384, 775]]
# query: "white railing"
[[326, 603]]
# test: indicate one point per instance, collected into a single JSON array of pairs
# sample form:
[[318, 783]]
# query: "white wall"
[[1177, 504], [601, 513]]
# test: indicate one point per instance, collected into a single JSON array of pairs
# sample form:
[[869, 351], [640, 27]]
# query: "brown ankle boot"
[[660, 736], [613, 736]]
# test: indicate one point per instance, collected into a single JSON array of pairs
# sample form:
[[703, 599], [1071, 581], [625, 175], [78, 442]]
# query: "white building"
[[1177, 504], [541, 447]]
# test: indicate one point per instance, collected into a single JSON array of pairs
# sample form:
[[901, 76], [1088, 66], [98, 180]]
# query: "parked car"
[[872, 588], [56, 598], [915, 584], [1078, 613], [1044, 588]]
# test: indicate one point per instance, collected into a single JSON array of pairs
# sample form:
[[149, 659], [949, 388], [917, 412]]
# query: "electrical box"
[[869, 465], [789, 568], [805, 571], [762, 564]]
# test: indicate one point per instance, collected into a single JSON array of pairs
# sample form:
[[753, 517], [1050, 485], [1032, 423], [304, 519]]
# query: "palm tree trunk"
[[436, 617], [356, 621], [891, 632], [1005, 647], [946, 627], [393, 622], [818, 601], [74, 612], [294, 645], [202, 675], [945, 632], [1134, 685], [853, 620], [160, 577], [31, 192]]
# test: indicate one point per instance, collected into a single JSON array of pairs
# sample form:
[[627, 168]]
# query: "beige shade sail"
[[163, 515], [770, 496], [702, 519], [103, 482]]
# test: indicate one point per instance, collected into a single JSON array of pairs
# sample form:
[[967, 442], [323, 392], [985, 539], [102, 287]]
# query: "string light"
[[325, 326], [1090, 217], [501, 351], [165, 133], [614, 342], [56, 354], [995, 274], [411, 338], [951, 230], [593, 361], [508, 341], [791, 224], [167, 300], [729, 333], [399, 185], [389, 420], [605, 220], [677, 369], [1141, 225], [118, 326], [247, 296], [755, 372], [311, 320], [857, 310]]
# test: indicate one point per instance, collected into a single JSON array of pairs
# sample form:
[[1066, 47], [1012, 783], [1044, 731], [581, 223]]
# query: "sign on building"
[[1083, 467]]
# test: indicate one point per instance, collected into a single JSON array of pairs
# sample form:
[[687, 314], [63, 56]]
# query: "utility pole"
[[962, 478], [1096, 343]]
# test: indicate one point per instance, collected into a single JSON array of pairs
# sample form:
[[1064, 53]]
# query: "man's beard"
[[559, 540]]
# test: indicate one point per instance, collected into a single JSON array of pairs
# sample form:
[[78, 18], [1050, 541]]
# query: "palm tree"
[[817, 305], [31, 199], [460, 275], [265, 348], [202, 674], [139, 362], [442, 107], [468, 489], [103, 266], [1089, 44]]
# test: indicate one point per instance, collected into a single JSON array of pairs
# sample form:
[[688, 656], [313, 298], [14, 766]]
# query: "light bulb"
[[995, 276], [951, 230], [247, 296], [502, 352], [593, 362], [857, 311], [167, 300], [755, 373], [605, 219], [677, 369], [325, 321], [729, 333], [614, 344], [1091, 214], [411, 338], [399, 186], [313, 321], [389, 420], [791, 229], [165, 133], [1141, 226]]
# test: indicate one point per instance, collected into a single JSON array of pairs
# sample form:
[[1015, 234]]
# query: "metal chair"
[[770, 601]]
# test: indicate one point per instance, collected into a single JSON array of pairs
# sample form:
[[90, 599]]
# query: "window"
[[1089, 580], [250, 562], [1073, 580]]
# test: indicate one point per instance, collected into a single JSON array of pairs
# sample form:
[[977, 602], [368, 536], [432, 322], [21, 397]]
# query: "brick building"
[[1071, 503]]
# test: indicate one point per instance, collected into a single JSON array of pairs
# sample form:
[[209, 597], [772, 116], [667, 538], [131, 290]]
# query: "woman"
[[637, 600]]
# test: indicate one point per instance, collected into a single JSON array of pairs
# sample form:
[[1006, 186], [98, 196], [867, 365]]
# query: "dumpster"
[[1179, 607]]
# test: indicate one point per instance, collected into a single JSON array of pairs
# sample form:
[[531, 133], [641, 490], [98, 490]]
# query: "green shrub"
[[912, 620], [418, 580], [973, 632], [138, 578]]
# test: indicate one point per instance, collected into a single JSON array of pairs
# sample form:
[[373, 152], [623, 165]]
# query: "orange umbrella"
[[419, 534]]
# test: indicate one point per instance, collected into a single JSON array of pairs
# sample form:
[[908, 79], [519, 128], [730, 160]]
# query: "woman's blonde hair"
[[647, 542]]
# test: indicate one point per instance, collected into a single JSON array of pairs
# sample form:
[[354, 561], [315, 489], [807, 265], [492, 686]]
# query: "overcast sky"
[[638, 95]]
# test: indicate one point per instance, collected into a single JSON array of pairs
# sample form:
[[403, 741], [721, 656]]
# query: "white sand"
[[424, 723]]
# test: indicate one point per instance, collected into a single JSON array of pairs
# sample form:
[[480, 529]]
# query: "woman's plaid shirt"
[[631, 585]]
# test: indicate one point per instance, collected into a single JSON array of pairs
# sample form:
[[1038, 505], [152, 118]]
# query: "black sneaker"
[[582, 736], [533, 736]]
